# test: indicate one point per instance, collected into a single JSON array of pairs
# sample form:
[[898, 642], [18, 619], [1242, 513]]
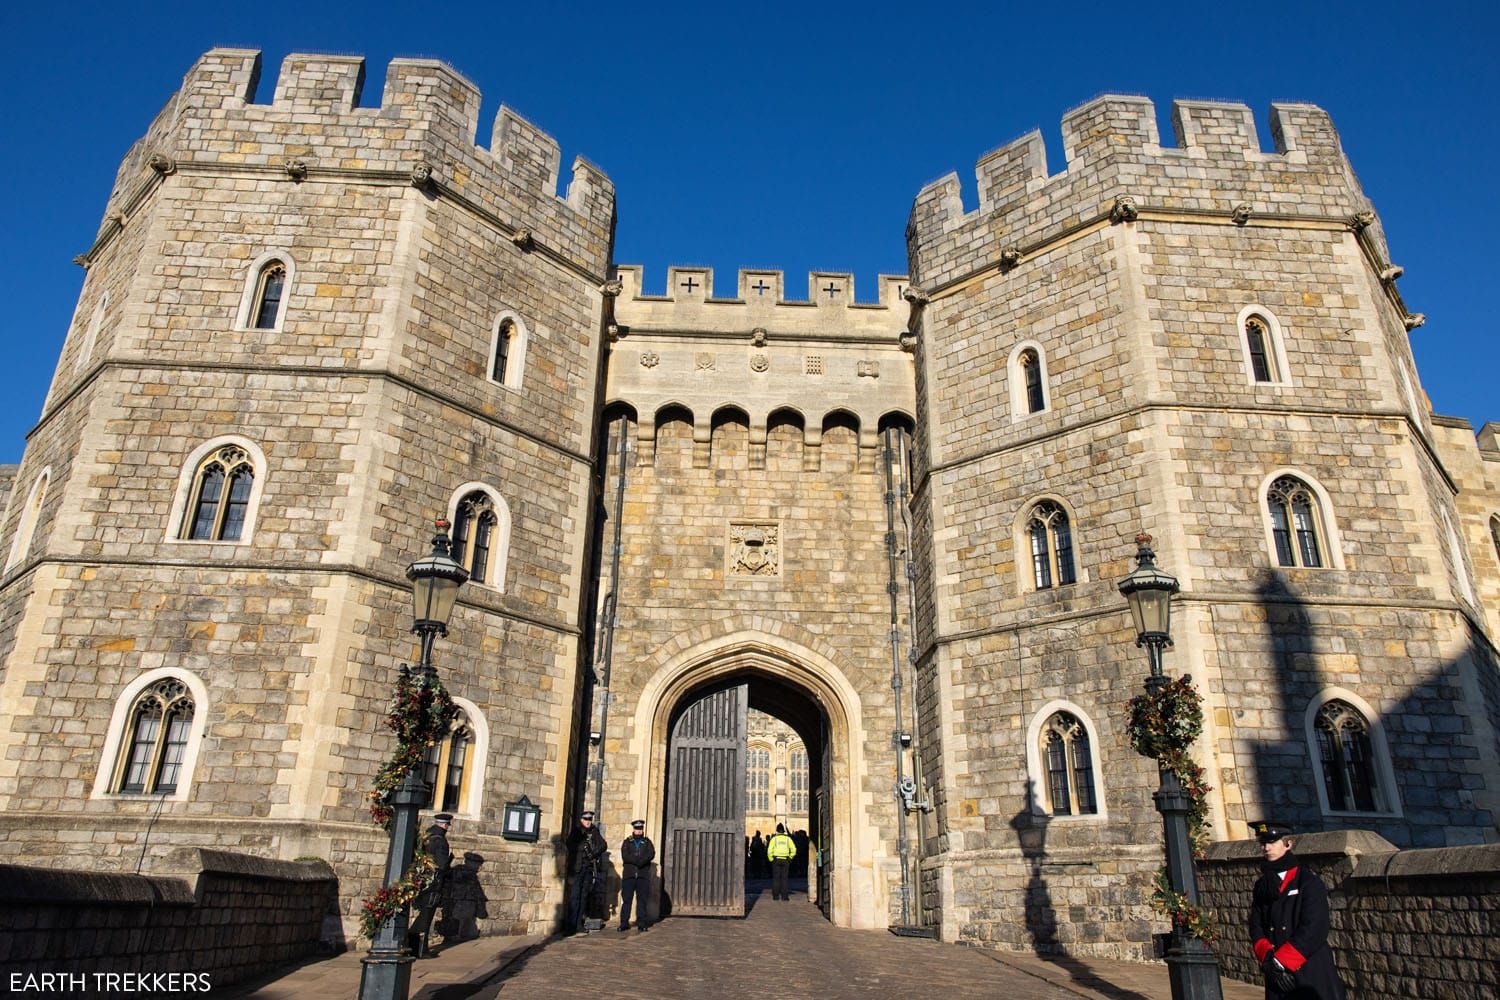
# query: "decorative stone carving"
[[1124, 209], [1240, 214], [523, 239], [1414, 320], [421, 175], [759, 363], [758, 337], [82, 259], [1009, 258], [650, 359], [1391, 272], [612, 288], [754, 549], [908, 341], [296, 170], [1361, 221], [916, 296], [612, 331], [704, 361], [868, 369], [162, 164]]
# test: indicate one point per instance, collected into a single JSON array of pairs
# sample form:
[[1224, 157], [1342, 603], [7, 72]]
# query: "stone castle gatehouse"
[[310, 327]]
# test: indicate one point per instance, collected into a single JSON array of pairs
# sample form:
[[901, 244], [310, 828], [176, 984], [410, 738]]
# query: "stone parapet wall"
[[244, 915], [1423, 923]]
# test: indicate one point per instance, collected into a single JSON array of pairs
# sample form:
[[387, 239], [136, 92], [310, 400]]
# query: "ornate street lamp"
[[1191, 966], [435, 579]]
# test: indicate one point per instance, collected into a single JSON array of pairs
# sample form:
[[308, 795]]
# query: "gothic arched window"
[[797, 777], [1068, 763], [1495, 534], [270, 286], [1296, 523], [31, 514], [758, 780], [1261, 342], [1347, 756], [1262, 353], [220, 500], [1031, 370], [449, 765], [474, 529], [508, 350], [504, 340], [1050, 540], [156, 739]]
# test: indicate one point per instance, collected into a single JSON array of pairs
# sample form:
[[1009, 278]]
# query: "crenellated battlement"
[[1113, 149], [762, 288], [761, 302], [424, 131]]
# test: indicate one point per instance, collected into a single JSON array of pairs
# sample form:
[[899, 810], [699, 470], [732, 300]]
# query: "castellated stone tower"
[[1203, 342], [308, 329]]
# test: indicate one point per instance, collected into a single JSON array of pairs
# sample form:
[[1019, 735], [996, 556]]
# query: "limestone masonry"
[[310, 328]]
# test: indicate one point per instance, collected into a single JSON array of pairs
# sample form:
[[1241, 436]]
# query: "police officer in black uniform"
[[586, 850], [427, 900], [1289, 923], [636, 855]]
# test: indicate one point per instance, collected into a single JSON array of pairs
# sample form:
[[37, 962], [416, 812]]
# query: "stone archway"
[[786, 672]]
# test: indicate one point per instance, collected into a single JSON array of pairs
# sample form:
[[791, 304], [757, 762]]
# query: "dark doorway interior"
[[703, 860]]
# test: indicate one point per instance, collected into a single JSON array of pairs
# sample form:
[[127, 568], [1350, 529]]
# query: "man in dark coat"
[[636, 855], [427, 900], [1289, 923], [586, 850]]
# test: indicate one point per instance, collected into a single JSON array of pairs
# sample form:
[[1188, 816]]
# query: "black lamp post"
[[435, 579], [1191, 965]]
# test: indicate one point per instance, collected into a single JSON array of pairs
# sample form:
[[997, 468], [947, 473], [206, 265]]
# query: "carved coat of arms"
[[754, 550]]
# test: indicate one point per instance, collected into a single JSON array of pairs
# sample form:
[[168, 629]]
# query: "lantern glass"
[[435, 579]]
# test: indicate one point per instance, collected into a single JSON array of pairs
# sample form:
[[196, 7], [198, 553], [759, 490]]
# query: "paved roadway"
[[780, 951]]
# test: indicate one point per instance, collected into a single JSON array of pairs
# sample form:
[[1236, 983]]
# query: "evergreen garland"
[[420, 714], [1163, 725]]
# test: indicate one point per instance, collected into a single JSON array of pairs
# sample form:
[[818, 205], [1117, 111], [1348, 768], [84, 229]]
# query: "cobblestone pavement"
[[780, 950]]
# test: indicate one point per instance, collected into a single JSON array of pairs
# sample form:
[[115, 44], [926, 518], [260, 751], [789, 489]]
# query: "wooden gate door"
[[824, 856], [704, 860]]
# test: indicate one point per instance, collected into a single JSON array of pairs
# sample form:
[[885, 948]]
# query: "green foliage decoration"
[[1163, 725], [420, 715]]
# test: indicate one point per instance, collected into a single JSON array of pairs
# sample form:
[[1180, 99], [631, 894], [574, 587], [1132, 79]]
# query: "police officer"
[[636, 855], [1289, 923], [781, 850], [586, 849], [427, 900]]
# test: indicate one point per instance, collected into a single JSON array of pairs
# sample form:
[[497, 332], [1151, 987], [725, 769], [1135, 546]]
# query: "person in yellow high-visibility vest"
[[781, 850]]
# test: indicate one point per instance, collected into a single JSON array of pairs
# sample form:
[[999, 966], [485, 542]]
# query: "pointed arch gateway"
[[683, 738]]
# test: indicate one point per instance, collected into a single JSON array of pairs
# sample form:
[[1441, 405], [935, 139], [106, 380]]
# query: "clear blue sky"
[[793, 136]]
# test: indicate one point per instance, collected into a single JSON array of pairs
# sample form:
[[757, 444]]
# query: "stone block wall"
[[244, 916], [1421, 923], [372, 405]]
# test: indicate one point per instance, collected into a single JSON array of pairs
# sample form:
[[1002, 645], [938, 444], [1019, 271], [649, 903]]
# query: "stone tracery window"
[[1296, 523], [1262, 354], [474, 535], [1068, 764], [270, 287], [1031, 371], [797, 777], [448, 766], [1347, 756], [219, 504], [160, 722], [508, 342], [1050, 539], [758, 780]]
